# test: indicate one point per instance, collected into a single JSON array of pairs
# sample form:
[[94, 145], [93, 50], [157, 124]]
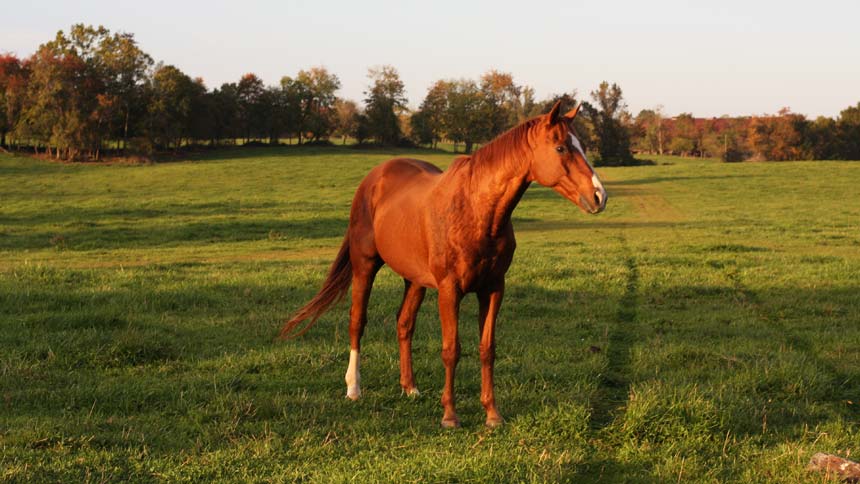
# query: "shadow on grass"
[[200, 362], [89, 235]]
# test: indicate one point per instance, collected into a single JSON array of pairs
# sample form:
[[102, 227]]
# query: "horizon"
[[735, 59]]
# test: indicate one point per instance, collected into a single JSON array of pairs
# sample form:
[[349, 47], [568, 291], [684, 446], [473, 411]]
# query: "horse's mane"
[[510, 147]]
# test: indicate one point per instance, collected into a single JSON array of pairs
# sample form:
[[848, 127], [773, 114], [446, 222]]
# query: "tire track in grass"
[[614, 387]]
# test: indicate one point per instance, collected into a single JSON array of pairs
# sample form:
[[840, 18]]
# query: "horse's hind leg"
[[413, 295], [364, 271]]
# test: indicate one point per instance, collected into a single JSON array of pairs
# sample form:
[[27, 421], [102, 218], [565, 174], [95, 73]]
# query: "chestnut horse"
[[450, 231]]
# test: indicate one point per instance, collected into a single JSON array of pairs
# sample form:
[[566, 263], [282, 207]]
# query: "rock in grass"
[[832, 465]]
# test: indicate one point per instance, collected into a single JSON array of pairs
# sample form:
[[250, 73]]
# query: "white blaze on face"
[[595, 180], [353, 376]]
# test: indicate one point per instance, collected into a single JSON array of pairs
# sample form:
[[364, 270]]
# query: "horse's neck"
[[494, 191]]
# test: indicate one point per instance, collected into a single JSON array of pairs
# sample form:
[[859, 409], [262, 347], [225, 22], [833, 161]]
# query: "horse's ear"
[[552, 117], [573, 112]]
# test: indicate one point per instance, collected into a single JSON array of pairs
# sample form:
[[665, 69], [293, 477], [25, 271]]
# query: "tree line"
[[780, 137], [89, 91]]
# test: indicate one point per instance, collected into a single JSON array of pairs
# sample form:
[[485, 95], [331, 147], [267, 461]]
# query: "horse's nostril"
[[597, 199]]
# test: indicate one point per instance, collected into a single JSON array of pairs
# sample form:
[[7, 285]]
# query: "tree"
[[613, 140], [777, 138], [650, 133], [249, 91], [13, 83], [428, 124], [465, 121], [820, 141], [125, 69], [501, 101], [386, 98], [345, 118], [684, 135], [170, 106], [318, 87], [201, 118], [62, 94], [848, 132], [225, 113]]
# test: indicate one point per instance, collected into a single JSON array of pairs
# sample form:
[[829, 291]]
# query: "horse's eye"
[[560, 149]]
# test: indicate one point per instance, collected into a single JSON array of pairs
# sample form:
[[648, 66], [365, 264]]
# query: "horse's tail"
[[333, 289]]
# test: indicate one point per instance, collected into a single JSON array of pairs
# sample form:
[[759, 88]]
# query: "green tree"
[[250, 92], [317, 104], [386, 99], [848, 133], [125, 68], [428, 124], [608, 118], [170, 106], [465, 120]]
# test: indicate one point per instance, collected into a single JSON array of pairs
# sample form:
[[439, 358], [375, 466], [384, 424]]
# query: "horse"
[[450, 231]]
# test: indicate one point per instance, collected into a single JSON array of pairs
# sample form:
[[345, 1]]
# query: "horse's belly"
[[402, 245]]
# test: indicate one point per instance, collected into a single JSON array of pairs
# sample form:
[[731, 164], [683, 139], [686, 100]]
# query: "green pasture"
[[703, 329]]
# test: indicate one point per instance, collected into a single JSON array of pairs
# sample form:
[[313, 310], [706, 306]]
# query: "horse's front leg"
[[489, 302], [449, 312]]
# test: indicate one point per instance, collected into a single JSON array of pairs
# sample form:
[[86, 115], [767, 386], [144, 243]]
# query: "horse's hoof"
[[451, 423], [495, 422], [412, 392], [353, 393]]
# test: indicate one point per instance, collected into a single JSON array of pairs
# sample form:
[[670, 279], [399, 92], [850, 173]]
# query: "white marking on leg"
[[353, 376]]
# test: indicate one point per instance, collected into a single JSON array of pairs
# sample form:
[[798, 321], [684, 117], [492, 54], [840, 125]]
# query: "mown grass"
[[703, 329]]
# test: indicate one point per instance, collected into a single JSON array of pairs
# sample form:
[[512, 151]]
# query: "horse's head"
[[559, 161]]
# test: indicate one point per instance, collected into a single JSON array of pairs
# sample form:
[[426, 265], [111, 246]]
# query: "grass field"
[[703, 329]]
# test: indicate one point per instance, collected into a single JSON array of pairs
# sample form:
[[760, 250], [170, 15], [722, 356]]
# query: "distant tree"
[[201, 119], [318, 87], [345, 118], [386, 98], [225, 113], [684, 135], [528, 105], [608, 118], [421, 131], [465, 120], [170, 107], [13, 84], [649, 128], [777, 138], [125, 69], [502, 104], [428, 124], [362, 129], [822, 139], [62, 105], [250, 92], [848, 133]]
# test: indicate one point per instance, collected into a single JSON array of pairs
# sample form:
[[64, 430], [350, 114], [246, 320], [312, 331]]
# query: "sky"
[[713, 58]]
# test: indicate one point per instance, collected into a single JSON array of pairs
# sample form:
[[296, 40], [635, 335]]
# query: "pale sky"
[[709, 58]]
